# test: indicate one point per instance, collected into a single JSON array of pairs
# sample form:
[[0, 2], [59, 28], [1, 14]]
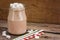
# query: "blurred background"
[[40, 11]]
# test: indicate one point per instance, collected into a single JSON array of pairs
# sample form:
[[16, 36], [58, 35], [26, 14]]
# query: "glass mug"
[[17, 19]]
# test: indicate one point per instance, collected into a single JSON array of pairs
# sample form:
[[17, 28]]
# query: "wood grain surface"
[[39, 26]]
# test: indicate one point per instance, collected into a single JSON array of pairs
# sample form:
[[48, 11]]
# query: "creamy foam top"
[[17, 5]]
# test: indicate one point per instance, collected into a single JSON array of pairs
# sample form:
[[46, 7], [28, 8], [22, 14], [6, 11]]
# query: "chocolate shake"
[[17, 19]]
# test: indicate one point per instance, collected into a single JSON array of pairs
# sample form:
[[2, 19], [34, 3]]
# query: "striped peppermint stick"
[[21, 37], [29, 35]]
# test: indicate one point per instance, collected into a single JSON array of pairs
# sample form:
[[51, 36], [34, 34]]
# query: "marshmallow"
[[8, 36], [4, 33]]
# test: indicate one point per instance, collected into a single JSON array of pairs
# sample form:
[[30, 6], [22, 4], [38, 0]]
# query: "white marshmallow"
[[4, 33], [8, 36]]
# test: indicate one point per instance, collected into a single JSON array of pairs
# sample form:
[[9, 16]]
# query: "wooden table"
[[46, 27]]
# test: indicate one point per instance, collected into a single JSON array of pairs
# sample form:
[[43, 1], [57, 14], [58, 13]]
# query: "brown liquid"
[[17, 27], [17, 22]]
